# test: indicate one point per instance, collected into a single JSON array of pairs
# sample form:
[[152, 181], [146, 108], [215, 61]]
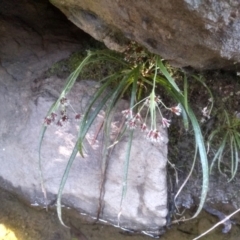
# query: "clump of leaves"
[[140, 74], [97, 70], [227, 137]]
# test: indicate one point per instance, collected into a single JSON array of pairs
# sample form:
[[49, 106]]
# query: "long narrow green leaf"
[[202, 152], [85, 127], [109, 55], [52, 109], [89, 118], [122, 87], [188, 176], [213, 134], [84, 123], [75, 151], [232, 155], [107, 124], [175, 92], [218, 154], [43, 130], [136, 73], [237, 139], [126, 166], [177, 96], [67, 87], [227, 118], [63, 182], [73, 76], [236, 148], [127, 159], [203, 158], [185, 92], [167, 75], [185, 110], [235, 159]]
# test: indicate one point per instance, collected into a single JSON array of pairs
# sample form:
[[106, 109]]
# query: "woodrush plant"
[[223, 141], [140, 75], [226, 140]]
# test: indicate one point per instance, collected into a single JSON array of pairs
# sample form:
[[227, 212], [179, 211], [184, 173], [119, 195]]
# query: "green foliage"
[[189, 114], [97, 70], [226, 138], [138, 76]]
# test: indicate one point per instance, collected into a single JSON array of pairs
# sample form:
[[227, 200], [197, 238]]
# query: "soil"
[[18, 221]]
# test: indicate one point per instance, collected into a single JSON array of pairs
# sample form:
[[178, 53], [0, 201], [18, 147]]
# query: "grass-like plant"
[[226, 139], [140, 75]]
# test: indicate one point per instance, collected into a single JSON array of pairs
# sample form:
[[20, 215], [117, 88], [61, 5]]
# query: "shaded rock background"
[[34, 35]]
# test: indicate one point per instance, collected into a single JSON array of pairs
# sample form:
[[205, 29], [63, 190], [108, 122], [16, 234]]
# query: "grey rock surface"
[[22, 112], [33, 36], [189, 33]]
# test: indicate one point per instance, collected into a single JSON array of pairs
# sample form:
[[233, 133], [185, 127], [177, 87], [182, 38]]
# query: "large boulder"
[[23, 107], [200, 34]]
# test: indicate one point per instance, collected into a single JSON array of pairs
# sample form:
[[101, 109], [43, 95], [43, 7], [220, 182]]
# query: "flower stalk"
[[152, 102]]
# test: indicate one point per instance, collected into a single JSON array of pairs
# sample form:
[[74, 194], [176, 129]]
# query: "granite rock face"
[[22, 110], [200, 34]]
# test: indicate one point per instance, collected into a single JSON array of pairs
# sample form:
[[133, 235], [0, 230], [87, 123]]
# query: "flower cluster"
[[61, 118], [136, 121]]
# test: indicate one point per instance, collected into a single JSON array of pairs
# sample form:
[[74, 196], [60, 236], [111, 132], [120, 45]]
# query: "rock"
[[22, 112], [188, 33], [34, 35]]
